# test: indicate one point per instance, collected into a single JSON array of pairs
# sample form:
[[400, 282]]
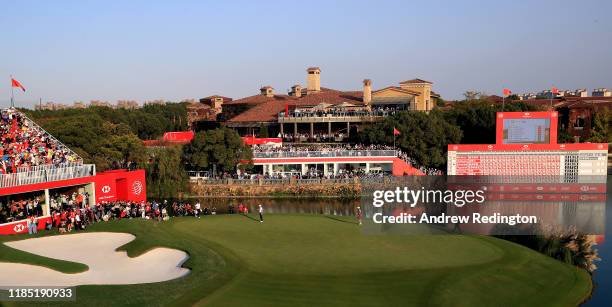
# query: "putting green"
[[313, 260]]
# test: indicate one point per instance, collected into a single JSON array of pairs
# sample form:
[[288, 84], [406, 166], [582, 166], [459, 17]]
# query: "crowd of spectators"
[[17, 210], [431, 171], [345, 111], [72, 212], [317, 137], [318, 148], [24, 144]]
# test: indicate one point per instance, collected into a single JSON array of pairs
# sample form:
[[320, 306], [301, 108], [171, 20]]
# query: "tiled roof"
[[587, 102], [259, 98], [216, 96], [415, 81], [397, 88], [267, 108]]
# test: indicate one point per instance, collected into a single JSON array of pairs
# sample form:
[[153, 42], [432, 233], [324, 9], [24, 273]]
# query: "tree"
[[422, 136], [221, 148], [472, 95], [512, 97], [601, 131], [166, 176]]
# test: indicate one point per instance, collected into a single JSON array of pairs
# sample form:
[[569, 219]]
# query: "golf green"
[[314, 260]]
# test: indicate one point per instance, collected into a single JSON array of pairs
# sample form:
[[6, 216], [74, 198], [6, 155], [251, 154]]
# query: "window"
[[579, 123]]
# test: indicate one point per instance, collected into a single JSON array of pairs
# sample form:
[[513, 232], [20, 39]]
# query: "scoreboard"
[[526, 145], [567, 160]]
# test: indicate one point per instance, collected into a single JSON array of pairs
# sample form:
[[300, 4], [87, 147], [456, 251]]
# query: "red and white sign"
[[22, 226]]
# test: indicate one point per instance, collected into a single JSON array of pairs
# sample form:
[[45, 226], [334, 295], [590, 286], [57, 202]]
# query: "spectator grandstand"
[[29, 154], [25, 146]]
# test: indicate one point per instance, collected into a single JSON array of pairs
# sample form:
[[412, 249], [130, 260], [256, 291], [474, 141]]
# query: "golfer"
[[358, 214], [197, 209], [260, 213]]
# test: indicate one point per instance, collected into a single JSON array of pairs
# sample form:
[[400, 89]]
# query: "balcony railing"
[[330, 117], [47, 174], [325, 154], [47, 167]]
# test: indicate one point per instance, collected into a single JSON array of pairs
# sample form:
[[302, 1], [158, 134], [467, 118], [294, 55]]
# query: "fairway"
[[315, 260]]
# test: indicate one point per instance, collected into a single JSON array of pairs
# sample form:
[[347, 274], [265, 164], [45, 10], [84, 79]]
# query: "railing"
[[325, 154], [47, 167], [283, 181], [324, 119], [306, 114], [47, 175]]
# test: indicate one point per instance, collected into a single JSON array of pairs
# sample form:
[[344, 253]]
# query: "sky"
[[66, 51]]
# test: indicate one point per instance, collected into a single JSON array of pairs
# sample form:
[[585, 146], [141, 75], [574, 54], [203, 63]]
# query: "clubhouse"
[[319, 114]]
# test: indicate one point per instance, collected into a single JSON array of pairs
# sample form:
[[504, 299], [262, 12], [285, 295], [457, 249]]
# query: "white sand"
[[98, 251]]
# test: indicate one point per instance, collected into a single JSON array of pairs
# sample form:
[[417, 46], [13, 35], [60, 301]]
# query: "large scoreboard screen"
[[526, 131], [526, 128]]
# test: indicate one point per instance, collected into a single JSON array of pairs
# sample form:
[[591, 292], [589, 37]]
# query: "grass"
[[313, 260]]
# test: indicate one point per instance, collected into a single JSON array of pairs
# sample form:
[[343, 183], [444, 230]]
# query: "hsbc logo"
[[137, 187], [106, 189], [19, 228]]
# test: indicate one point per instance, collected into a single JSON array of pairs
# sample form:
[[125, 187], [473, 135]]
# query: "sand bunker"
[[98, 251]]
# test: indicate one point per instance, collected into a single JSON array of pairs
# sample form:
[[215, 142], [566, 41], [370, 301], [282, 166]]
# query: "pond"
[[295, 205]]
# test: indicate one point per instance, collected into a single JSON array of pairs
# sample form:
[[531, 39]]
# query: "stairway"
[[402, 168]]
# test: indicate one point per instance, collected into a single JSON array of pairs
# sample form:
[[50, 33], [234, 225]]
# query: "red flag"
[[554, 90], [286, 109], [395, 131], [15, 83], [507, 92]]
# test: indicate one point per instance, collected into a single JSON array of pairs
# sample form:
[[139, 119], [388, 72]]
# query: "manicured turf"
[[308, 260]]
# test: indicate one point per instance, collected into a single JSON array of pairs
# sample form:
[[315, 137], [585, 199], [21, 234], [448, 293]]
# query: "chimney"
[[313, 80], [267, 91], [367, 91], [296, 91]]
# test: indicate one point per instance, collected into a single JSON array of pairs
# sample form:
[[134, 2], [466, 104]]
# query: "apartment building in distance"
[[602, 92]]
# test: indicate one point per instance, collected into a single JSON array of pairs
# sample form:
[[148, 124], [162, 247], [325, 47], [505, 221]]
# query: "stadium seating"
[[25, 146]]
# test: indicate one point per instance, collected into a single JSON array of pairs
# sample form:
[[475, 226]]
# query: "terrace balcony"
[[330, 118], [325, 154]]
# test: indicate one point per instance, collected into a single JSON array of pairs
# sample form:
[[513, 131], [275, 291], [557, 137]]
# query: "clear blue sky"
[[64, 51]]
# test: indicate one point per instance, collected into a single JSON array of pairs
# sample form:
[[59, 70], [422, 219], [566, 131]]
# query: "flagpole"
[[503, 102], [551, 97], [12, 93]]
